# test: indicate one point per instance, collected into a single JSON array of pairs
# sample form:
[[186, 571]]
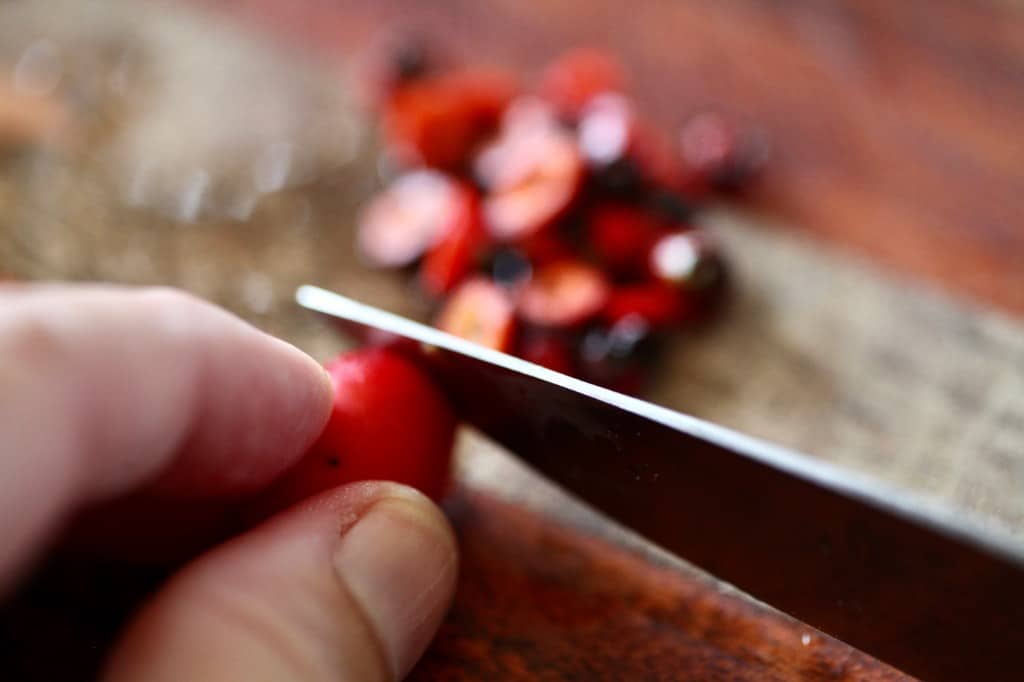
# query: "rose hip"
[[409, 217], [532, 175], [659, 305], [439, 120], [388, 422], [452, 258], [622, 236], [481, 312], [578, 75], [689, 262], [564, 294], [624, 151]]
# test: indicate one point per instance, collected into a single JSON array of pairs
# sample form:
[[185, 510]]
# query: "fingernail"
[[399, 563]]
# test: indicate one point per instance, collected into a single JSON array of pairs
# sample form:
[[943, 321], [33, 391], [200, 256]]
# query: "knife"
[[930, 591]]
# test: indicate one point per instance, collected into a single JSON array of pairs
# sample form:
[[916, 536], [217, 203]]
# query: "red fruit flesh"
[[389, 422], [532, 175], [439, 120], [577, 76], [610, 131], [455, 253], [548, 351], [622, 236], [658, 305], [409, 216], [479, 311], [563, 294]]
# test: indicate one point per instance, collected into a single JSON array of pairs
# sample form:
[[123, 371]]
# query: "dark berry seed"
[[671, 207], [510, 268], [622, 178], [410, 61]]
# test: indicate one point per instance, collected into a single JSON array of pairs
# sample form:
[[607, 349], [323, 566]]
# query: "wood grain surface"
[[898, 135]]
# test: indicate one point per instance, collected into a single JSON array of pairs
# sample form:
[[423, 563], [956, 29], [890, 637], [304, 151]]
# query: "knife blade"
[[911, 582]]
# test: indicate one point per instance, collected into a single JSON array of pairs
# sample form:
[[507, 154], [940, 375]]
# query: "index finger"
[[107, 389]]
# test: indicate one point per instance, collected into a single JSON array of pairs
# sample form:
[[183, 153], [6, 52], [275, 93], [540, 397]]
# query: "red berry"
[[660, 306], [389, 422], [439, 120], [546, 247], [611, 134], [578, 75], [547, 350], [479, 311], [532, 174], [689, 262], [563, 294], [409, 216], [453, 256], [622, 236]]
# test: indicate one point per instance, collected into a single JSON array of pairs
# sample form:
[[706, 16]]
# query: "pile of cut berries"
[[555, 225]]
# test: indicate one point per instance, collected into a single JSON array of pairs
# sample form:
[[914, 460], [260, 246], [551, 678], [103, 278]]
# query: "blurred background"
[[227, 147]]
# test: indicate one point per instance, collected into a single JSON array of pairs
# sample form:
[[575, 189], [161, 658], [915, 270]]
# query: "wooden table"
[[898, 172]]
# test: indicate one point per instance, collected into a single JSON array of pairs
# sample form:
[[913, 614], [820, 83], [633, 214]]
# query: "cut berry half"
[[577, 76], [622, 236], [410, 216], [439, 120], [532, 176], [658, 305], [624, 151], [547, 350], [564, 294], [457, 251], [479, 311]]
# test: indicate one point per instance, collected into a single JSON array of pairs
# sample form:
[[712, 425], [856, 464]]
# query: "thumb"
[[351, 584]]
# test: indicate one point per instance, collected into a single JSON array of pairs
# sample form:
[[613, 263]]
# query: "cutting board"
[[876, 322]]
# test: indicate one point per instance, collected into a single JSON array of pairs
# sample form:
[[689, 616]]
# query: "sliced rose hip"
[[578, 75], [408, 217], [532, 175], [689, 262], [622, 236], [547, 350], [624, 151], [479, 311], [659, 305], [456, 251], [564, 294], [389, 422], [439, 120]]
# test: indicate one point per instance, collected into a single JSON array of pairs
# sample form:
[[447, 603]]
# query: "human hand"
[[121, 410]]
